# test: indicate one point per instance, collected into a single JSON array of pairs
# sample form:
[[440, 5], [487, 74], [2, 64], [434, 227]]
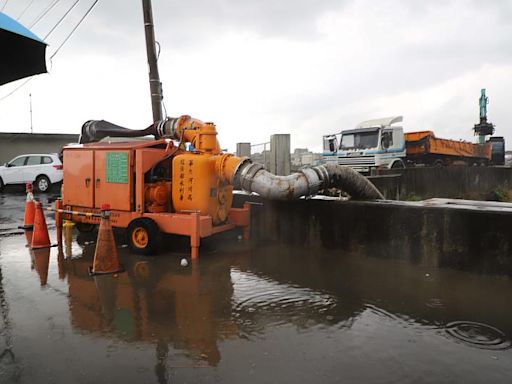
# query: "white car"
[[42, 169]]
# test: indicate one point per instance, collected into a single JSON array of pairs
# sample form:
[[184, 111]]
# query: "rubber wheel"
[[143, 237], [42, 184], [85, 227], [438, 163], [2, 185], [398, 165]]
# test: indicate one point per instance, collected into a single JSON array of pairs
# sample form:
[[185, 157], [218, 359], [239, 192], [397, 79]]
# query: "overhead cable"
[[17, 88], [44, 13], [25, 10], [61, 19], [3, 6], [74, 29], [59, 47]]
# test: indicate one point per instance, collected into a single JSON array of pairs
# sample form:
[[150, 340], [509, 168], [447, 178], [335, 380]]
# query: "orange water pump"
[[154, 186]]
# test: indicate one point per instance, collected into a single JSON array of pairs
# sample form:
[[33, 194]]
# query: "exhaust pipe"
[[251, 177]]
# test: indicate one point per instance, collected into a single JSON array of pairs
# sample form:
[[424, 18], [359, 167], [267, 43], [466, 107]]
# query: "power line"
[[16, 89], [3, 6], [44, 13], [61, 19], [74, 29], [25, 10], [59, 47]]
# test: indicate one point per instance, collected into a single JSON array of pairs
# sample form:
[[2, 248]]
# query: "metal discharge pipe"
[[242, 173], [252, 177]]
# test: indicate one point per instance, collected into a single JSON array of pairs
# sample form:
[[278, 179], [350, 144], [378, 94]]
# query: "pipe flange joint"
[[168, 128], [313, 179], [220, 164], [247, 173], [323, 175]]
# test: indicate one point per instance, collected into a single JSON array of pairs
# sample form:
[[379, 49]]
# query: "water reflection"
[[187, 315], [195, 307], [9, 367], [184, 307], [41, 258]]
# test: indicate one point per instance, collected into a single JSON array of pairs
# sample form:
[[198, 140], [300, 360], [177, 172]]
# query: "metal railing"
[[260, 153]]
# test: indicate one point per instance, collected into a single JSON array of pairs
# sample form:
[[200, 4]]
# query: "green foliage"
[[500, 194], [413, 197]]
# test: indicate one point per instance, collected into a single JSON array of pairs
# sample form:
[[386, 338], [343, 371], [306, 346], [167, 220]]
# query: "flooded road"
[[246, 313]]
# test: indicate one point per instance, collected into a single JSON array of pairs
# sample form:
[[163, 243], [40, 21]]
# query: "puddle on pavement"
[[247, 313]]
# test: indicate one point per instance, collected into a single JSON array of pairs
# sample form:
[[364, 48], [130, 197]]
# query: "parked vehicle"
[[41, 169], [379, 144]]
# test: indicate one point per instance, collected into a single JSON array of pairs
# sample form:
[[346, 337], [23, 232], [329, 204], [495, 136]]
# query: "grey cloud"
[[192, 22]]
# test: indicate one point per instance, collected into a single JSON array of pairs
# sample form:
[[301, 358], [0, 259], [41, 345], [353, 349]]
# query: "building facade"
[[15, 144]]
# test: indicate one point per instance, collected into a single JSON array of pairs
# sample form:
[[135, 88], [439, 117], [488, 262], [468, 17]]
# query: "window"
[[387, 139], [46, 160], [34, 160], [360, 140], [18, 162], [347, 141], [330, 144]]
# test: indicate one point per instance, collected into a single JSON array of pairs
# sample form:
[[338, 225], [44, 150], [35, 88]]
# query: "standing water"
[[248, 313]]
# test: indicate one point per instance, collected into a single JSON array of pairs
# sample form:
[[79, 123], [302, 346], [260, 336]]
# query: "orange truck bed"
[[425, 143]]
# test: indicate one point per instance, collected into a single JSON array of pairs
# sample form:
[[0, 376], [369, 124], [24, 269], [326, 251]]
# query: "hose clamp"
[[323, 175]]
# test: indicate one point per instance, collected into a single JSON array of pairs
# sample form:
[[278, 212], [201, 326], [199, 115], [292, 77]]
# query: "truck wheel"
[[42, 184], [438, 163], [143, 236], [2, 185], [399, 164]]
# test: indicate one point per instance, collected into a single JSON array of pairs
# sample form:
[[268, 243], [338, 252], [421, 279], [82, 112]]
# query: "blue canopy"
[[22, 52], [13, 26]]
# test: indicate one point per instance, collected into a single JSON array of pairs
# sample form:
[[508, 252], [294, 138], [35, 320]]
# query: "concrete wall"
[[479, 183], [280, 158], [475, 240], [243, 149], [14, 144]]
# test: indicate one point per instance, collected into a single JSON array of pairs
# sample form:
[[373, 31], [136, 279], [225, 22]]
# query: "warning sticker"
[[117, 167]]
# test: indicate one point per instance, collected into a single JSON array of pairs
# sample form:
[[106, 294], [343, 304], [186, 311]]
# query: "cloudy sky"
[[257, 67]]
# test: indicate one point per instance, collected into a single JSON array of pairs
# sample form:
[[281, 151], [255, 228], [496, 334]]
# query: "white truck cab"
[[372, 144]]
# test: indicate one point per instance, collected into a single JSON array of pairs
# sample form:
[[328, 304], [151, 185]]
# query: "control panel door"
[[78, 178], [113, 179]]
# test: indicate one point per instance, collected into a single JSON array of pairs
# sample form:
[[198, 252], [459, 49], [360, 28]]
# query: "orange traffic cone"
[[28, 237], [40, 237], [28, 222], [106, 259], [42, 262]]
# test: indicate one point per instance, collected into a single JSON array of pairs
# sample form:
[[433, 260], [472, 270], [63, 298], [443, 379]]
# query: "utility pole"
[[155, 85], [31, 126]]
